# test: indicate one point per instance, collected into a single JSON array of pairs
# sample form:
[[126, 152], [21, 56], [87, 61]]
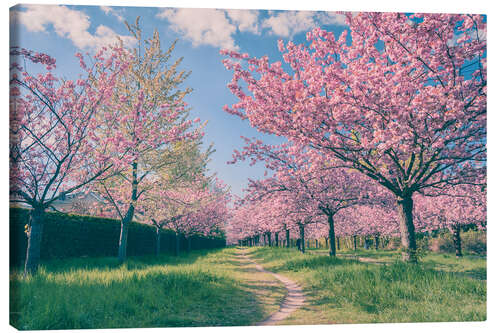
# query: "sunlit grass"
[[204, 288], [341, 290]]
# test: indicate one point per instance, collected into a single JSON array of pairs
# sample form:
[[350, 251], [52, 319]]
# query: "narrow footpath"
[[294, 300]]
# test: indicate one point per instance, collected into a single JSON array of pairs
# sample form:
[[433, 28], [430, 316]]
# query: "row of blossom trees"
[[389, 112], [122, 130]]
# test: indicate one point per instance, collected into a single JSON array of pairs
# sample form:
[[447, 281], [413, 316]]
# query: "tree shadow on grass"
[[110, 263], [158, 298]]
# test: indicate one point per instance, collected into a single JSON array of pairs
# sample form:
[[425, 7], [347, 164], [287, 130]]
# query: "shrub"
[[474, 242], [394, 243], [68, 235], [443, 243]]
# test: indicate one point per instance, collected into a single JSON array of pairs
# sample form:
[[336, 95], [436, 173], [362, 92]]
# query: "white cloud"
[[217, 27], [246, 20], [481, 34], [332, 18], [67, 23], [289, 23], [202, 26], [112, 11]]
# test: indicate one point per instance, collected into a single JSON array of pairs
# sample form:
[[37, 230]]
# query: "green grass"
[[441, 288], [469, 265], [204, 288], [217, 288]]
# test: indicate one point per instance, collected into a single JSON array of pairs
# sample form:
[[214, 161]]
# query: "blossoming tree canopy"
[[400, 98], [146, 118], [51, 121], [196, 207], [326, 186]]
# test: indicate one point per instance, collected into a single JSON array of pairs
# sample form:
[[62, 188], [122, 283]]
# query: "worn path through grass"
[[202, 288], [341, 290], [294, 300]]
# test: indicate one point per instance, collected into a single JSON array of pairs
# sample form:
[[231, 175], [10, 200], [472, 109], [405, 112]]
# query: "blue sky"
[[61, 31]]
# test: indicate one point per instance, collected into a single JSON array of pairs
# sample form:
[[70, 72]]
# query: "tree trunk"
[[326, 242], [366, 246], [354, 241], [287, 238], [302, 240], [338, 243], [331, 234], [316, 243], [189, 244], [457, 241], [35, 232], [158, 241], [407, 229], [376, 242], [122, 245], [177, 244], [276, 238]]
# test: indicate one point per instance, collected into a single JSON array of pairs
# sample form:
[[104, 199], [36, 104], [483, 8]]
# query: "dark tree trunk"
[[457, 241], [354, 241], [316, 243], [366, 245], [276, 238], [331, 234], [269, 239], [326, 242], [338, 243], [376, 242], [287, 238], [407, 229], [302, 240], [35, 233], [158, 241], [122, 245], [189, 244]]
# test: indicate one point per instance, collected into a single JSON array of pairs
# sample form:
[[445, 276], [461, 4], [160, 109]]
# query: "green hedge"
[[67, 235]]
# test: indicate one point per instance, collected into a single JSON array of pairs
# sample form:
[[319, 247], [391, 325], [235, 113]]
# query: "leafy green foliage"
[[67, 235]]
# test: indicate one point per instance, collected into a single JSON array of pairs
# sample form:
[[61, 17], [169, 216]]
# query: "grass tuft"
[[385, 290], [203, 288]]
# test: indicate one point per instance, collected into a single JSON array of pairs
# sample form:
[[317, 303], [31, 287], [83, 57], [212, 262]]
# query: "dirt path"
[[294, 300]]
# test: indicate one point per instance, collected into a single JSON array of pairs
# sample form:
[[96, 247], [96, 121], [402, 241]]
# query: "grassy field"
[[381, 288], [204, 288], [218, 288], [470, 265]]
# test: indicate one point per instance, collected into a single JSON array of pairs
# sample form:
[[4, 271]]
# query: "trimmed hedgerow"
[[68, 235]]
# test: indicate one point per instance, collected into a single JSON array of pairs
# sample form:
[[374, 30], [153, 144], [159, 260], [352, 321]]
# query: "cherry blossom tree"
[[373, 220], [459, 206], [142, 128], [399, 98], [51, 121], [312, 179]]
